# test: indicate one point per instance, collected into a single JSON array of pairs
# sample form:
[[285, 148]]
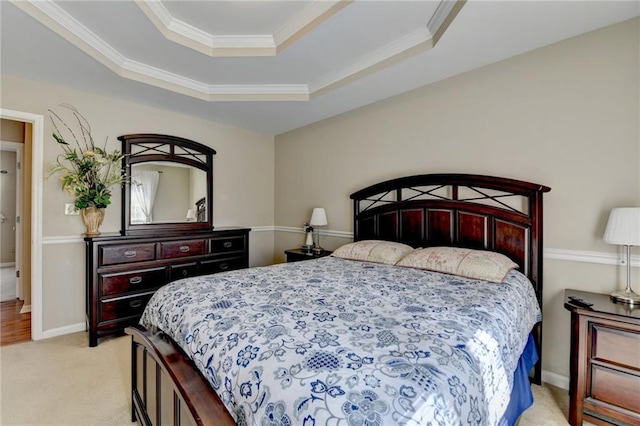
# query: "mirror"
[[170, 185], [166, 192]]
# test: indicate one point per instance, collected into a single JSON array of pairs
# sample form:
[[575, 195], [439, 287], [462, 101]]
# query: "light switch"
[[70, 210]]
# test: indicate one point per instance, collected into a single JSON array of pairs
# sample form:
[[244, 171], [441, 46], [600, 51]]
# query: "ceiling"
[[273, 66]]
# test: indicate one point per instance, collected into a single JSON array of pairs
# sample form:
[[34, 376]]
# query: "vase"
[[92, 218], [309, 241]]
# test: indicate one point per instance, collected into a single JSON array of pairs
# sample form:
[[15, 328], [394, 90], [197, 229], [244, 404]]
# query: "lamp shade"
[[318, 217], [623, 227]]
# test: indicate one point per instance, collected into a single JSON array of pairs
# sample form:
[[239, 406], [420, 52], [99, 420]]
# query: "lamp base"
[[626, 296]]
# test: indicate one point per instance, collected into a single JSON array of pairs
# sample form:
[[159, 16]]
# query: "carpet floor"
[[61, 381]]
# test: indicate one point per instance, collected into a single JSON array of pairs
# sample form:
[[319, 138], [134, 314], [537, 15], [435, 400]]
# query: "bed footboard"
[[166, 388]]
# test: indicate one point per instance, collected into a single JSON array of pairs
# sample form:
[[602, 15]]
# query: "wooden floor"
[[14, 326]]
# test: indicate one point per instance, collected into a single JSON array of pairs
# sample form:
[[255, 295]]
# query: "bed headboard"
[[462, 210]]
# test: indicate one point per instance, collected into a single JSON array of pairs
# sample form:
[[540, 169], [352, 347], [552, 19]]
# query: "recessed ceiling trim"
[[239, 45], [445, 14], [58, 20], [201, 41], [407, 46], [308, 19]]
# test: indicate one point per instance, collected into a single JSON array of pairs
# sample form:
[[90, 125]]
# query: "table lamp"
[[623, 228], [318, 218]]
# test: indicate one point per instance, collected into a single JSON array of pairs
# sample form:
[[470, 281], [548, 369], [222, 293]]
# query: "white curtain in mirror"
[[143, 195]]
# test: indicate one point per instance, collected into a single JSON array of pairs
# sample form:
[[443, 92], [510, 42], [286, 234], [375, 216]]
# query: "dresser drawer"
[[222, 265], [227, 244], [124, 308], [118, 283], [176, 249], [183, 271], [129, 253], [617, 346]]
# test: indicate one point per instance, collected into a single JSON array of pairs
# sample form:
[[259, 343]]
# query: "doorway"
[[15, 312], [29, 246]]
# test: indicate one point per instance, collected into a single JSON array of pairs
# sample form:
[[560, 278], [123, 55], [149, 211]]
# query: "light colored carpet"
[[61, 381], [7, 283]]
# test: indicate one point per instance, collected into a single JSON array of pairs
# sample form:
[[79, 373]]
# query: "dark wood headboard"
[[462, 210]]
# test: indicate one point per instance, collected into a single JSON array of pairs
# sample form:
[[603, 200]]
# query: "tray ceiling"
[[272, 66]]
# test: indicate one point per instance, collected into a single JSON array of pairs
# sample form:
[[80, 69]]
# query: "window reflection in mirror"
[[164, 192]]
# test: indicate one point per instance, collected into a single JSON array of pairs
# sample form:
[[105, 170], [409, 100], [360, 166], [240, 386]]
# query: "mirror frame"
[[146, 147]]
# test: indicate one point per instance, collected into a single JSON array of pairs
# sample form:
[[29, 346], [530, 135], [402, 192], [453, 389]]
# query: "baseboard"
[[25, 309], [74, 328], [555, 379]]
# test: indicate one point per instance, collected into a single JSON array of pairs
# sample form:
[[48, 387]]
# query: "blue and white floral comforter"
[[340, 342]]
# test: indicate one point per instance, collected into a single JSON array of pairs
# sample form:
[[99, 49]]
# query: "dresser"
[[605, 360], [123, 272]]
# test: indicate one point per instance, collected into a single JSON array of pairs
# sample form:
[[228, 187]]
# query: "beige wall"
[[565, 116], [243, 183]]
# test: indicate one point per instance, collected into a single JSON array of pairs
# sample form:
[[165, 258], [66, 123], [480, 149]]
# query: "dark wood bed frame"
[[463, 210]]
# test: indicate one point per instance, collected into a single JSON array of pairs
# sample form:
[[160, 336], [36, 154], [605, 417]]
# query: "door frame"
[[37, 173], [18, 148]]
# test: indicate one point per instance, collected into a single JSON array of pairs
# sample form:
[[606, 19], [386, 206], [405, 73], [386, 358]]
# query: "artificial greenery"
[[88, 172]]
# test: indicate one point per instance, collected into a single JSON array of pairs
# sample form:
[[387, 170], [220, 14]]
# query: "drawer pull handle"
[[184, 249], [224, 266], [184, 273], [135, 280], [130, 253], [227, 244], [135, 303]]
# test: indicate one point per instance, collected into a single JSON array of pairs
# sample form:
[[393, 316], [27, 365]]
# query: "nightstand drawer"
[[174, 249], [125, 307], [615, 387], [118, 283], [227, 244], [118, 254], [616, 346]]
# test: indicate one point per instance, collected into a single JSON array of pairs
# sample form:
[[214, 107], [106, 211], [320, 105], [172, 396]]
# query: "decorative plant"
[[88, 172]]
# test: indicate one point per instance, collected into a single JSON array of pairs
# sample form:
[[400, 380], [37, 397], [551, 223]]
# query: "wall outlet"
[[70, 210]]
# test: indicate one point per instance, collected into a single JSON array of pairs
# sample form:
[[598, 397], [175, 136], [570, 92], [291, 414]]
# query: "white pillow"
[[376, 251], [479, 264]]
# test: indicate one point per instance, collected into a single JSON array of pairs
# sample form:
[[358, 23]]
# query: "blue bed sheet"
[[521, 395]]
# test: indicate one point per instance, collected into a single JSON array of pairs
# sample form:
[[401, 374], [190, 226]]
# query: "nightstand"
[[604, 386], [296, 255]]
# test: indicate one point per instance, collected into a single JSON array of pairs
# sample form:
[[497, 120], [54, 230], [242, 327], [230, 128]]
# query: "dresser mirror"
[[170, 185]]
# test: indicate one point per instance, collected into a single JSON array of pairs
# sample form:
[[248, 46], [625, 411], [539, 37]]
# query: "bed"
[[343, 341]]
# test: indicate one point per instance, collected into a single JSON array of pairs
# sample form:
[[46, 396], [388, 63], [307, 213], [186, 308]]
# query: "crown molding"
[[58, 20], [312, 16], [194, 38], [410, 45], [446, 11]]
